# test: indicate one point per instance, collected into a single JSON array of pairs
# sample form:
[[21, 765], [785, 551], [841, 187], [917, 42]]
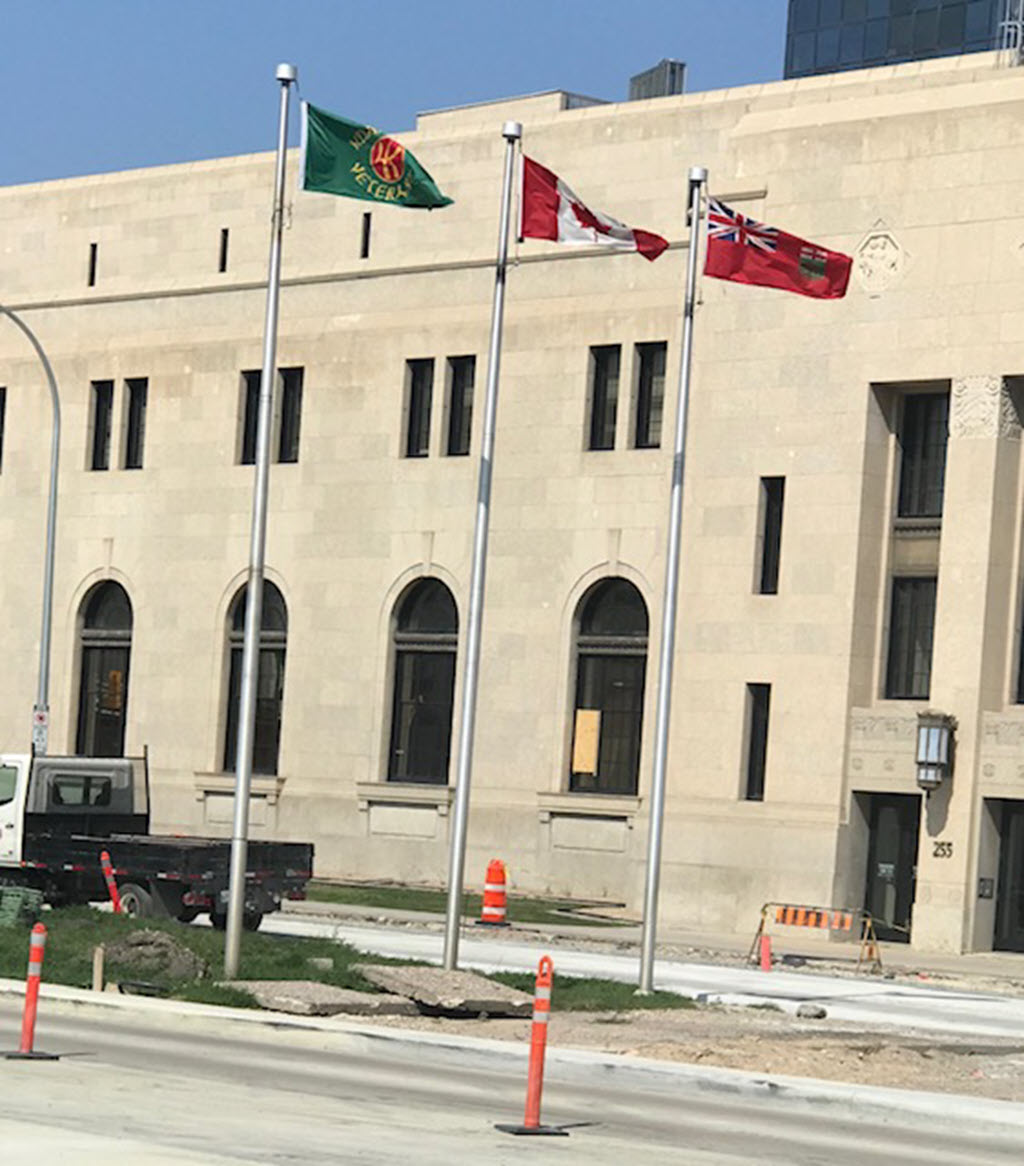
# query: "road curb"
[[873, 1102]]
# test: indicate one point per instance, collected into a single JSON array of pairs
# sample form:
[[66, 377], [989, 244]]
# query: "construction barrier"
[[108, 875], [538, 1045], [26, 1052], [843, 921], [495, 904]]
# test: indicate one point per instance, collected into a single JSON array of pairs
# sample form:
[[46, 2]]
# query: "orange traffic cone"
[[493, 912]]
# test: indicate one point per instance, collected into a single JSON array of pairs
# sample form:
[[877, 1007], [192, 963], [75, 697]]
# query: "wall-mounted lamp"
[[934, 749]]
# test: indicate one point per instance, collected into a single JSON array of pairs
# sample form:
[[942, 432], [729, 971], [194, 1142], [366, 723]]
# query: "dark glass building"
[[825, 36]]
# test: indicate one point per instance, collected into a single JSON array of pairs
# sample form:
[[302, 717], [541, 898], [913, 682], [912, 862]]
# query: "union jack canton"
[[730, 226]]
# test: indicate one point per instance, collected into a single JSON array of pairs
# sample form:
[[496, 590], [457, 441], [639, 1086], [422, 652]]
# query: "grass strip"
[[395, 898], [580, 994]]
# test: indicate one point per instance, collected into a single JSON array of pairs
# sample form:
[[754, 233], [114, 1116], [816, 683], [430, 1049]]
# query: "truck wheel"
[[251, 920], [218, 921], [135, 902], [187, 914]]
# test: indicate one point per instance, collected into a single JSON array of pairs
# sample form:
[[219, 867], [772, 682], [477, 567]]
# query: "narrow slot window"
[[605, 361], [222, 262], [461, 372], [364, 244], [758, 702], [138, 391], [291, 414], [93, 254], [3, 416], [773, 492], [650, 394], [102, 414], [250, 409], [420, 388]]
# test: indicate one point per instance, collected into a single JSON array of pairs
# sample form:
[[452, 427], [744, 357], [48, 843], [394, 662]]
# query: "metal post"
[[286, 75], [512, 131], [698, 176], [41, 711]]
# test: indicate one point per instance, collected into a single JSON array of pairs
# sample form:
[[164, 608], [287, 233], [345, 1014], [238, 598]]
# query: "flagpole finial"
[[287, 73], [512, 131], [698, 174]]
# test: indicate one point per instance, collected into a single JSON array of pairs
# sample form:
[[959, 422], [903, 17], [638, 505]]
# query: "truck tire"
[[135, 902], [251, 920], [218, 921], [187, 914]]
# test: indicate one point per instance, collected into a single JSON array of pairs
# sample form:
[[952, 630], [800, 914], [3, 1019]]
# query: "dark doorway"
[[1009, 934], [106, 641], [894, 822]]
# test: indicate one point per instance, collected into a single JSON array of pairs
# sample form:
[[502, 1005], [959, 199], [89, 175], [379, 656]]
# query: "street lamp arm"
[[41, 713]]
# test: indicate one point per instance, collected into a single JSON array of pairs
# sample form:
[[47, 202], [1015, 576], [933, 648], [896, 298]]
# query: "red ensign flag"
[[746, 251]]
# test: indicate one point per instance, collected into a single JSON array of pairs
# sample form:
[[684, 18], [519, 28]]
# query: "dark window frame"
[[758, 716], [424, 647], [610, 672], [461, 377], [101, 420], [105, 642], [289, 384], [603, 395], [651, 363], [137, 393], [272, 658], [419, 378], [923, 440], [3, 422], [912, 603], [773, 495]]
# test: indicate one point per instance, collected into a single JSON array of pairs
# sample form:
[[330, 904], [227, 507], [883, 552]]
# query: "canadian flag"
[[550, 210]]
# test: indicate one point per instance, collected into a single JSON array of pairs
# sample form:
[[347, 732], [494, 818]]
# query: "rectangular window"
[[650, 394], [93, 253], [222, 263], [364, 245], [290, 380], [102, 413], [419, 377], [137, 389], [773, 492], [911, 628], [604, 391], [250, 416], [3, 416], [461, 373], [758, 702], [923, 430]]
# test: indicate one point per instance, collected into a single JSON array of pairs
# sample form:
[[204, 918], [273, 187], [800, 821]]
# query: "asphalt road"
[[134, 1089], [866, 999]]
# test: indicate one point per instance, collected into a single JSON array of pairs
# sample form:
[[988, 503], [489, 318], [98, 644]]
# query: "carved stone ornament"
[[879, 261], [982, 407]]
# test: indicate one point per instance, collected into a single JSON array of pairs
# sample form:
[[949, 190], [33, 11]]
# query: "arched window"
[[106, 645], [611, 662], [269, 680], [425, 638]]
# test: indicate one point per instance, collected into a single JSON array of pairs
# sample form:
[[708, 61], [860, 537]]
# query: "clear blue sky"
[[96, 85]]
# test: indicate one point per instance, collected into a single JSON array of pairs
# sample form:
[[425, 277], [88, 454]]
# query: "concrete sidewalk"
[[996, 971]]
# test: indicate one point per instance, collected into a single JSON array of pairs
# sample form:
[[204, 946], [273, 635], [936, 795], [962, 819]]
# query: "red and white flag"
[[550, 210]]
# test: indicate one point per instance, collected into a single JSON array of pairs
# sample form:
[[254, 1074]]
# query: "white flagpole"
[[512, 131], [286, 75], [698, 176]]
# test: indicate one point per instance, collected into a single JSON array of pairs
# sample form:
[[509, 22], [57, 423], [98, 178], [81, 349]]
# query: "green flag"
[[342, 157]]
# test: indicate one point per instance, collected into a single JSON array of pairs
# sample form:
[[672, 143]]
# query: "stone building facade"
[[851, 547]]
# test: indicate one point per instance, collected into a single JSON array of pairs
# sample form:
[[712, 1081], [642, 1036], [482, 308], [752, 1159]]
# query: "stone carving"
[[982, 407], [879, 261], [869, 727]]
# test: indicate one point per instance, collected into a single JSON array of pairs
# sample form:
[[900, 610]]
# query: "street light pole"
[[41, 711]]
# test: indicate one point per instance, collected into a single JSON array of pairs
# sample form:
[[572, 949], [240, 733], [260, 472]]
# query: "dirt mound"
[[154, 955]]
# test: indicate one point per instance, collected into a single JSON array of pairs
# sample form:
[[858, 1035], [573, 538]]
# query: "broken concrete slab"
[[450, 992], [309, 998]]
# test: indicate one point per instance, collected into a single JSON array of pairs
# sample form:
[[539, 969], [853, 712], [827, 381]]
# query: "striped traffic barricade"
[[843, 922], [108, 878], [494, 910]]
